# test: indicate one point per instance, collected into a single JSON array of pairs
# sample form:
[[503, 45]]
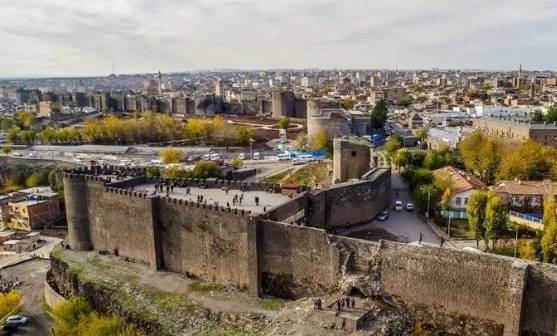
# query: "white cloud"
[[65, 37]]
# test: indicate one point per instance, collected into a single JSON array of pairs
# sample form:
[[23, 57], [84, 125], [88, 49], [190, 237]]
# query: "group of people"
[[346, 302], [7, 285], [161, 187]]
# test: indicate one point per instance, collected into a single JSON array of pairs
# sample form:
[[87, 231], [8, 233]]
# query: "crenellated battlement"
[[125, 192], [210, 207]]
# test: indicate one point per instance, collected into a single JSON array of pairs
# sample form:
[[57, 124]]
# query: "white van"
[[283, 156], [215, 157], [206, 157], [257, 156]]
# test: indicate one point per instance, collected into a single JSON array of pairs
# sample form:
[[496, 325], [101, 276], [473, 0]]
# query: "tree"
[[420, 177], [171, 155], [405, 101], [426, 194], [6, 149], [13, 134], [402, 158], [29, 136], [348, 104], [243, 134], [33, 181], [319, 141], [530, 161], [393, 145], [422, 133], [496, 218], [379, 114], [237, 162], [527, 250], [67, 315], [9, 301], [537, 117], [283, 123], [551, 115], [301, 141], [481, 156], [475, 209], [549, 235], [548, 242], [153, 171], [206, 169]]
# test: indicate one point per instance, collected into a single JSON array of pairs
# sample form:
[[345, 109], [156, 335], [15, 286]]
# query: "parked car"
[[16, 320], [206, 157], [398, 206], [409, 206], [215, 157], [283, 156], [257, 156], [17, 154], [242, 156], [383, 215], [33, 155]]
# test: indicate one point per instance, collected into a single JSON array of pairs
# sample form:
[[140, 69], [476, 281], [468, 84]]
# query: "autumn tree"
[[301, 142], [319, 141], [422, 133], [171, 155], [475, 210], [481, 156], [496, 219], [530, 161], [549, 236]]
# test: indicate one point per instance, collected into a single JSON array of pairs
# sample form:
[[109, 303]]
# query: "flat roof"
[[520, 124], [218, 196]]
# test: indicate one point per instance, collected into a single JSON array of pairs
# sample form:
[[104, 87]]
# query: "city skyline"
[[63, 38]]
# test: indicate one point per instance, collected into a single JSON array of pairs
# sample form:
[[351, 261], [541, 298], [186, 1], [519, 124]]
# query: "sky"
[[88, 37]]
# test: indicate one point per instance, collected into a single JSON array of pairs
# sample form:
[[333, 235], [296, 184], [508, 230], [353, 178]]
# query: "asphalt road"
[[32, 273]]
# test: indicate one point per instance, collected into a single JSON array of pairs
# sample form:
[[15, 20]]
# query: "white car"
[[257, 156], [409, 207], [398, 206], [242, 156], [206, 157], [215, 157], [17, 154], [16, 320], [33, 155], [283, 156]]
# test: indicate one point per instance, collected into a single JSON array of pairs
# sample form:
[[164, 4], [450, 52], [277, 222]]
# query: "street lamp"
[[251, 141]]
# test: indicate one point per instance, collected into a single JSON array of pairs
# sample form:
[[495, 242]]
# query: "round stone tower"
[[75, 194]]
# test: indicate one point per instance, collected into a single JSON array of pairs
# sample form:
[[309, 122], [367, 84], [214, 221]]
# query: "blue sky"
[[69, 37]]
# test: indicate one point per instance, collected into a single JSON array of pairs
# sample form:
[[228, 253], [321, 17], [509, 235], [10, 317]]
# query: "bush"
[[9, 301]]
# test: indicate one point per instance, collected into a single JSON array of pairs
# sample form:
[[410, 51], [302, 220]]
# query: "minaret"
[[159, 83], [519, 77]]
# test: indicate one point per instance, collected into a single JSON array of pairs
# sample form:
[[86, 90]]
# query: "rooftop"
[[462, 181], [223, 198], [527, 187], [516, 122]]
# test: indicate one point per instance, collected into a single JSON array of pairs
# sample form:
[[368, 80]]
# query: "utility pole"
[[515, 240]]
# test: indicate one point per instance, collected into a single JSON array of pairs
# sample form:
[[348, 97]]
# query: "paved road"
[[32, 274], [403, 226]]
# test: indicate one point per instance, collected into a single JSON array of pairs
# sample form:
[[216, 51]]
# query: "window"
[[466, 201], [458, 200], [353, 153]]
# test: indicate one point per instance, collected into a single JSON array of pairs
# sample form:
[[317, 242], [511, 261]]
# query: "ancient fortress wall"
[[264, 255], [296, 261], [350, 203], [215, 244]]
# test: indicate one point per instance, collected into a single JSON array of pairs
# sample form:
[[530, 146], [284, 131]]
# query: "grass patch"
[[272, 303], [277, 178], [97, 263], [204, 287], [315, 173]]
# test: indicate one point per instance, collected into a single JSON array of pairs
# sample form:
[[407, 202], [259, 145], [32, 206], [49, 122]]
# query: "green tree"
[[243, 134], [537, 117], [530, 161], [420, 177], [548, 243], [393, 145], [402, 158], [68, 314], [283, 123], [379, 114], [153, 171], [6, 149], [496, 218], [13, 134], [33, 181], [422, 133], [551, 115], [405, 101], [475, 209], [206, 169]]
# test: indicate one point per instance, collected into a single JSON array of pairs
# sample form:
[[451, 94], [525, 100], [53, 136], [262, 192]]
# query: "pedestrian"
[[353, 303], [338, 306], [265, 209], [228, 204], [319, 306], [256, 201], [442, 241], [421, 237]]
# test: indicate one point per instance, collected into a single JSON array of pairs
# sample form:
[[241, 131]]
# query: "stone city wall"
[[213, 243], [268, 256]]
